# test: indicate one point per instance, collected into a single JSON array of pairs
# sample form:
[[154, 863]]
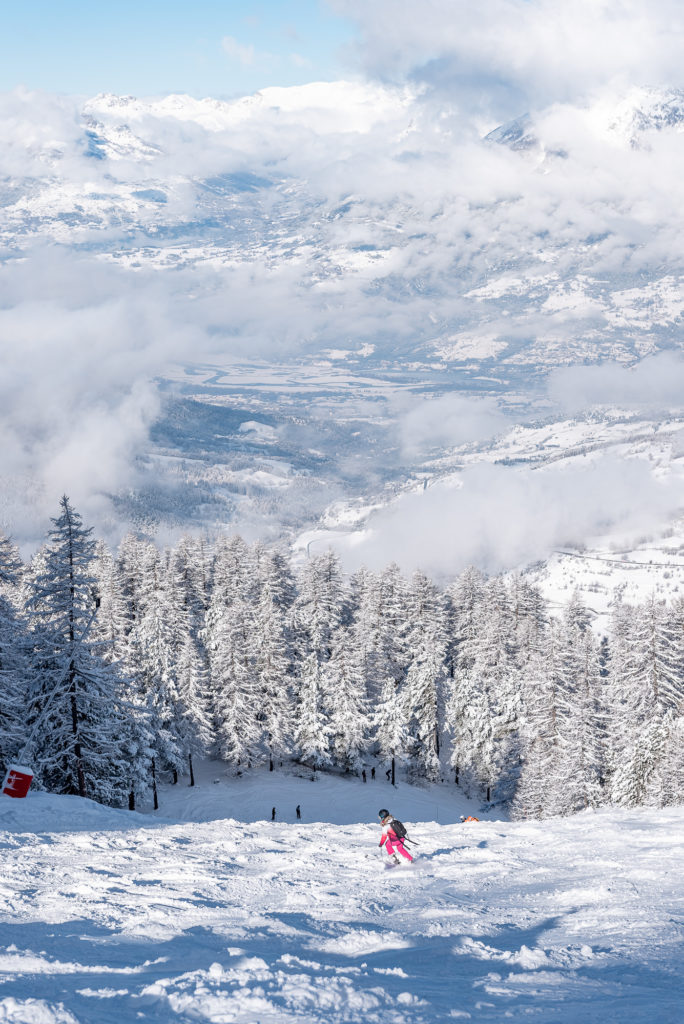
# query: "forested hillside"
[[117, 667]]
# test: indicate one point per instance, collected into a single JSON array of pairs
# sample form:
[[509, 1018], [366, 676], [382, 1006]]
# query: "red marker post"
[[17, 781]]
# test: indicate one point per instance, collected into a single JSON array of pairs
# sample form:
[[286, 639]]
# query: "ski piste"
[[209, 911]]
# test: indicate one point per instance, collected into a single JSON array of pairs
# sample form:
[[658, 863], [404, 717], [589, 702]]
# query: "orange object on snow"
[[469, 818]]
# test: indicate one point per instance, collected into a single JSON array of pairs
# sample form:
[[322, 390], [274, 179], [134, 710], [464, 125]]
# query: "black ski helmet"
[[383, 813]]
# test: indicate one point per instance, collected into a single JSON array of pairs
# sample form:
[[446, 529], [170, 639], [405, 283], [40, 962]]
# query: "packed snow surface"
[[111, 916]]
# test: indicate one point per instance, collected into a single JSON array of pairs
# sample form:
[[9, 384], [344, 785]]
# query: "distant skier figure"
[[469, 818], [273, 814], [298, 812], [363, 774], [372, 773], [391, 838]]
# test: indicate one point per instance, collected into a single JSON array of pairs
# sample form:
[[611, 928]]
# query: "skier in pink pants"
[[390, 839]]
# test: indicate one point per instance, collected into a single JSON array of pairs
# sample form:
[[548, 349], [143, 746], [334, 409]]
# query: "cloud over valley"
[[362, 225]]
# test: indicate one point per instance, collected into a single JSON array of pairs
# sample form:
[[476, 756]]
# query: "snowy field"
[[109, 916]]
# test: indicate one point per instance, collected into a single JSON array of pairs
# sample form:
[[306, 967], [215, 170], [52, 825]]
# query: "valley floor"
[[107, 916]]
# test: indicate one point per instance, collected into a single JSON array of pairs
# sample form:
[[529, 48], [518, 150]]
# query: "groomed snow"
[[108, 916]]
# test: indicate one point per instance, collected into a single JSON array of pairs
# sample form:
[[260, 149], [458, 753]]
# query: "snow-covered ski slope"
[[108, 916]]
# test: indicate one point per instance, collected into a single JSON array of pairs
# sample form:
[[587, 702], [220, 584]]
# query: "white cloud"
[[535, 50], [243, 53], [657, 383], [449, 421], [499, 517]]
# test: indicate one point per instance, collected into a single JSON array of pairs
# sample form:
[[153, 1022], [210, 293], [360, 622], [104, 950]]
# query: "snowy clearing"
[[112, 916]]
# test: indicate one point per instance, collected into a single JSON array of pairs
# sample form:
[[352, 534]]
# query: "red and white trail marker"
[[17, 781]]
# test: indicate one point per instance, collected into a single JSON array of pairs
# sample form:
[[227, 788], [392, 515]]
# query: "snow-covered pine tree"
[[273, 655], [529, 617], [13, 657], [321, 606], [195, 723], [580, 758], [312, 731], [318, 613], [348, 719], [391, 725], [110, 631], [672, 761], [645, 686], [484, 703], [189, 565], [113, 621], [152, 659], [535, 793], [423, 692], [390, 716], [234, 690], [74, 709], [366, 630]]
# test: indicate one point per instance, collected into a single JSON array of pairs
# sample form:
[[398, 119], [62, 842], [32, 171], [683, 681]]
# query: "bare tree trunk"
[[74, 729], [154, 785], [192, 774]]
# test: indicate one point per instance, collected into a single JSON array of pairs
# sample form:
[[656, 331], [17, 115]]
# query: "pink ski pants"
[[397, 844]]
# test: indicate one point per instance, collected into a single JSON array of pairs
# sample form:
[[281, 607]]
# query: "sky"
[[504, 54], [218, 48]]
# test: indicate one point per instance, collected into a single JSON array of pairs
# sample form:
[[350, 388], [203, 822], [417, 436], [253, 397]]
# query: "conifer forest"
[[117, 669]]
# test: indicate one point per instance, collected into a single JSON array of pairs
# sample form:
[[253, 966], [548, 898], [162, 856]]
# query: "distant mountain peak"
[[628, 119]]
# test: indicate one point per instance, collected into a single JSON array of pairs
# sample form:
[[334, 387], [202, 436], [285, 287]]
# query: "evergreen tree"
[[484, 703], [580, 715], [273, 668], [426, 645], [645, 687], [312, 731], [234, 687], [74, 708], [391, 725], [195, 725], [347, 705], [13, 657], [153, 652], [320, 607]]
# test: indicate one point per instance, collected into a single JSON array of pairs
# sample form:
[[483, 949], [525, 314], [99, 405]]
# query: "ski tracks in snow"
[[255, 924]]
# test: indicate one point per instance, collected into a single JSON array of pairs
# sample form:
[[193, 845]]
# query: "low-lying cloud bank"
[[656, 383], [501, 517]]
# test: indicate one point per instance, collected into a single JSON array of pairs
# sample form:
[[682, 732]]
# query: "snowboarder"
[[390, 838], [298, 812], [469, 818], [273, 814]]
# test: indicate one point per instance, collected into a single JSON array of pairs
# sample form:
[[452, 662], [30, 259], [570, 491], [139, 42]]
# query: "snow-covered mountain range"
[[294, 309]]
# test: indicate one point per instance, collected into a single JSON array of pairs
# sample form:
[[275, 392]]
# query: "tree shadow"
[[105, 977]]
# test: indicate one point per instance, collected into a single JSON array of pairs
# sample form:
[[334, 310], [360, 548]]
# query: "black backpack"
[[398, 828]]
